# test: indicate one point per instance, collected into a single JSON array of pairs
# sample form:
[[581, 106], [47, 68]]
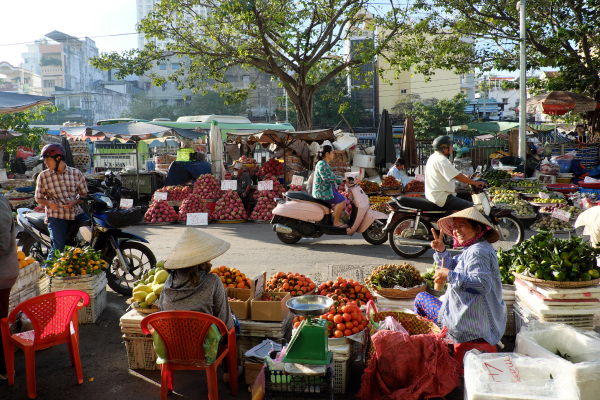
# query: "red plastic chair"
[[461, 348], [183, 334], [54, 322]]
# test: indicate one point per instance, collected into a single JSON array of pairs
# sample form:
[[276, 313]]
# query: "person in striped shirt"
[[472, 307]]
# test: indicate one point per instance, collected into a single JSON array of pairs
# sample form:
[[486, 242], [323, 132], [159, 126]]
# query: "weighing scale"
[[309, 344]]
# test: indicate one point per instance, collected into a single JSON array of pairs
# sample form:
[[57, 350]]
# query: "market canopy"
[[17, 102], [134, 130], [186, 133], [5, 135], [284, 139], [485, 127]]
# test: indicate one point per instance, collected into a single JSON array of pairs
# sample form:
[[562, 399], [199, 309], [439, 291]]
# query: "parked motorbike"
[[127, 257], [412, 218], [301, 215], [112, 187]]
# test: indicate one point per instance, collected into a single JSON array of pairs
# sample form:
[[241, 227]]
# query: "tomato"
[[330, 317], [355, 330], [296, 325], [354, 315], [349, 325], [346, 309], [341, 327], [346, 316], [338, 319], [347, 332], [338, 334]]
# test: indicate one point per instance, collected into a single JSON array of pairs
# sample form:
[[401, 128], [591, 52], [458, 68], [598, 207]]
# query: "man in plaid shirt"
[[57, 190]]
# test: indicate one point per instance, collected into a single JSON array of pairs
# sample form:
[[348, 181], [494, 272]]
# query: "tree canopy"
[[430, 120]]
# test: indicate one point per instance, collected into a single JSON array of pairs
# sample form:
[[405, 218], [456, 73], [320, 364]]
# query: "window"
[[179, 102], [402, 91], [48, 83], [147, 86], [75, 101], [165, 102], [164, 86], [162, 66], [505, 100], [246, 78], [174, 66]]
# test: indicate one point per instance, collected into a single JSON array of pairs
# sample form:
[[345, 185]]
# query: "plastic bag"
[[565, 157], [211, 344], [25, 152], [159, 349], [258, 389], [579, 353], [507, 376], [464, 166], [549, 168], [391, 324]]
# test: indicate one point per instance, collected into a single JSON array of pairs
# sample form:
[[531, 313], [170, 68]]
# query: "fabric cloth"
[[208, 297], [242, 182], [399, 175], [52, 185], [58, 229], [453, 203], [9, 262], [337, 196], [439, 178], [181, 172], [590, 220], [4, 296], [472, 306], [428, 306], [323, 180]]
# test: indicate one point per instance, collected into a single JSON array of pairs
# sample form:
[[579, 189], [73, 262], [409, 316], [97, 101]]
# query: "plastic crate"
[[565, 165], [299, 386], [511, 328], [184, 154], [140, 352], [342, 363], [584, 190]]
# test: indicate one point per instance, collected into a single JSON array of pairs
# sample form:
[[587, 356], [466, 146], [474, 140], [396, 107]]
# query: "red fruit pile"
[[266, 201], [176, 193], [297, 188], [247, 160], [341, 289], [390, 182], [271, 167], [230, 207], [294, 283], [194, 204], [345, 319], [160, 211], [348, 204], [207, 187]]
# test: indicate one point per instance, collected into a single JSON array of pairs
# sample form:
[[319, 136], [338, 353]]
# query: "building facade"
[[19, 80], [507, 99]]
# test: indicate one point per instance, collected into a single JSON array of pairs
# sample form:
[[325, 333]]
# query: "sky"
[[32, 19]]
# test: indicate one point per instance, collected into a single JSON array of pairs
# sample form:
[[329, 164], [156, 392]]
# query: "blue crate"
[[565, 165], [585, 190]]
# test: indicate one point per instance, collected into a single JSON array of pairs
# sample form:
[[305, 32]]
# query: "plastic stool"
[[461, 348]]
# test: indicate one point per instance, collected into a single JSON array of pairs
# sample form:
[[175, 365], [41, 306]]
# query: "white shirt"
[[439, 178], [590, 220], [399, 175]]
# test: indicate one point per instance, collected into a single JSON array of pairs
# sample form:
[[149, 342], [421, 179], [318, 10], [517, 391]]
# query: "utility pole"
[[522, 83], [484, 95]]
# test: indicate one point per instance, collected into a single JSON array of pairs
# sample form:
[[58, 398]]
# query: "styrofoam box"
[[362, 160]]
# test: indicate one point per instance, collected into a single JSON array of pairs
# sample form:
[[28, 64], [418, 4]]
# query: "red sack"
[[25, 152], [420, 367]]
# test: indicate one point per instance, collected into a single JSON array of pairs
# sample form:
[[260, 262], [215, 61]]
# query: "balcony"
[[52, 70]]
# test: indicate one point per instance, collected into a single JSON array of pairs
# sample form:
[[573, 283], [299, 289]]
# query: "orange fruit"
[[346, 316], [338, 319], [338, 334], [21, 255]]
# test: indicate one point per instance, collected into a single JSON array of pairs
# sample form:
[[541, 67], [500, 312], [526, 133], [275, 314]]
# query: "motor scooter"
[[301, 215]]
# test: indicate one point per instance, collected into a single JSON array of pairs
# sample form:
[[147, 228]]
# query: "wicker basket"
[[541, 282], [145, 310], [401, 294]]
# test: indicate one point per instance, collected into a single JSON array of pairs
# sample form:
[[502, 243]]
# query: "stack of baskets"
[[27, 285], [140, 348], [508, 295], [81, 155]]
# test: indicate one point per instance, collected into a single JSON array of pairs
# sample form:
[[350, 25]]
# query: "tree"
[[431, 120], [331, 102], [560, 34], [144, 107], [293, 41]]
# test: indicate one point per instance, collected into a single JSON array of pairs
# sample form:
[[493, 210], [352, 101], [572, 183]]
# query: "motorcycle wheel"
[[403, 229], [138, 258], [375, 233], [515, 230], [35, 249], [288, 239]]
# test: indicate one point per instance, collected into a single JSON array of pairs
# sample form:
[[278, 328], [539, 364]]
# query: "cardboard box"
[[270, 310], [364, 161], [242, 310], [252, 371]]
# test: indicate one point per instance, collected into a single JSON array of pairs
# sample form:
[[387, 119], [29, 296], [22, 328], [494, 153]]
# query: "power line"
[[82, 37]]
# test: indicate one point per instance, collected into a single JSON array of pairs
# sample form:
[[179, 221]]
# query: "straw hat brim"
[[446, 224], [195, 247]]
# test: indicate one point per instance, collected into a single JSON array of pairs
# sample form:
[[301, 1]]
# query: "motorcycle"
[[411, 219], [127, 257], [301, 215]]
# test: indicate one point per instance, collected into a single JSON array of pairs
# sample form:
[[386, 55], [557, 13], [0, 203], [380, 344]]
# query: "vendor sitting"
[[472, 308], [190, 285], [397, 171], [243, 183]]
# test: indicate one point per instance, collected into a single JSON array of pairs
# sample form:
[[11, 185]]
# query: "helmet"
[[52, 150], [442, 141]]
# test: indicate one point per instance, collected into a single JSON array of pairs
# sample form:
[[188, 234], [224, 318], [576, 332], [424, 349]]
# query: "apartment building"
[[19, 80]]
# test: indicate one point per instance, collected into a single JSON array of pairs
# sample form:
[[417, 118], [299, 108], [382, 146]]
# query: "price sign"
[[503, 370], [265, 185], [197, 219], [420, 178], [561, 214], [126, 203], [228, 185], [544, 195], [297, 180], [161, 195]]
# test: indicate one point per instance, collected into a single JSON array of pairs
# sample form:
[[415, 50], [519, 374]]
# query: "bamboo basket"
[[399, 293]]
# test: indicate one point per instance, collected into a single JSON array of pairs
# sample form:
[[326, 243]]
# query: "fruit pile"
[[271, 167], [266, 201], [415, 186], [147, 290], [497, 174], [23, 259], [160, 211], [294, 283], [271, 297], [505, 198], [534, 191], [247, 160], [232, 277], [207, 187], [428, 277], [526, 183], [368, 186], [495, 191], [341, 289], [381, 207], [390, 182], [552, 201], [296, 321], [75, 261], [412, 195], [549, 223], [522, 208], [194, 204], [230, 207], [348, 208], [505, 263], [344, 319], [546, 257], [574, 211], [277, 191], [394, 276], [235, 299], [297, 188], [176, 193], [379, 199]]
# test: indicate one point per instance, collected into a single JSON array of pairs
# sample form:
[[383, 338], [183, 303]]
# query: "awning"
[[17, 102]]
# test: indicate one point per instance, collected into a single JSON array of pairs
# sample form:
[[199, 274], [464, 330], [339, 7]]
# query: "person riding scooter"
[[324, 182], [441, 177]]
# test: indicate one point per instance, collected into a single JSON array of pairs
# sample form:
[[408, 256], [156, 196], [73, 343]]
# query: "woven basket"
[[556, 284], [146, 310], [399, 293]]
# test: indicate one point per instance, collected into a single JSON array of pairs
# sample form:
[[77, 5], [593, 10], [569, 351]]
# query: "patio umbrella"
[[216, 151], [17, 102], [384, 144], [409, 144]]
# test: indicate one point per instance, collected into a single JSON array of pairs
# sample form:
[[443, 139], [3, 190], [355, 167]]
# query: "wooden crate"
[[272, 330]]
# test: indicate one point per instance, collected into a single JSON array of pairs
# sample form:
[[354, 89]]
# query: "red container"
[[562, 187], [211, 203]]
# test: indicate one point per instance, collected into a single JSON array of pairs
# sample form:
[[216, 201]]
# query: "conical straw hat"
[[195, 247], [446, 224]]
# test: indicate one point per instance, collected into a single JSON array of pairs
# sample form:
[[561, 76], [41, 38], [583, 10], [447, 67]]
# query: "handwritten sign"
[[197, 219], [126, 203], [297, 180], [561, 214], [420, 178], [228, 185], [544, 195], [503, 370], [161, 195], [265, 185]]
